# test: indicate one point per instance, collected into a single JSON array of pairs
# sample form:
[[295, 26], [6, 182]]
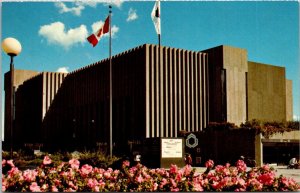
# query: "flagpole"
[[159, 15], [110, 88], [159, 40]]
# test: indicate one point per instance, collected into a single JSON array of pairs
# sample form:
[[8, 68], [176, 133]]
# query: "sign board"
[[36, 152], [171, 148]]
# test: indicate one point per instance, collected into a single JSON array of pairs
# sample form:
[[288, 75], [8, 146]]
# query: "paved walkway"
[[289, 173]]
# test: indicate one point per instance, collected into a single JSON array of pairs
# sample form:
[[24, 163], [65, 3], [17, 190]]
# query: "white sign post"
[[171, 148]]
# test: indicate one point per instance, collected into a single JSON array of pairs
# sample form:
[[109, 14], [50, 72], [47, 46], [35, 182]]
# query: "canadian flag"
[[95, 37]]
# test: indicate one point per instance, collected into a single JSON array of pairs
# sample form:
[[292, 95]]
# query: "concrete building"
[[150, 99], [153, 96], [34, 94], [242, 90], [268, 97], [228, 68], [19, 77]]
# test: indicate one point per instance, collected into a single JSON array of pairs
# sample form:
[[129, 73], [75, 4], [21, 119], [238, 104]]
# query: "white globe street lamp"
[[11, 47]]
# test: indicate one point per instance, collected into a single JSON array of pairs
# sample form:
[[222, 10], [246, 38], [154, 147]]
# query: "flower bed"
[[71, 176]]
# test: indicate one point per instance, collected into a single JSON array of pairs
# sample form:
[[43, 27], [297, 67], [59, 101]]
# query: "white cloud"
[[63, 70], [55, 34], [132, 15], [117, 3], [78, 6], [75, 10], [87, 3], [114, 30], [96, 26]]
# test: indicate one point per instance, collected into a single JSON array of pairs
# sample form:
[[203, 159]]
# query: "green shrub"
[[93, 158]]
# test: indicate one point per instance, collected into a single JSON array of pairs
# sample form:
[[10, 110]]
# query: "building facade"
[[242, 90], [33, 97], [156, 93]]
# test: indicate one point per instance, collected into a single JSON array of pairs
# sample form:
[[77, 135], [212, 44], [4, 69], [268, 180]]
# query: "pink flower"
[[133, 169], [240, 190], [125, 164], [154, 188], [70, 190], [111, 185], [174, 189], [86, 169], [57, 182], [47, 160], [3, 163], [92, 183], [187, 170], [222, 170], [197, 187], [74, 163], [11, 163], [173, 169], [253, 174], [13, 172], [99, 171], [163, 183], [110, 170], [101, 184], [241, 181], [216, 185], [266, 167], [209, 164], [139, 179], [72, 185], [242, 167], [44, 187], [256, 185], [267, 178], [107, 175], [234, 171], [54, 189], [34, 187], [227, 165], [4, 184], [179, 175], [219, 168], [174, 184], [285, 181], [96, 189], [116, 172], [147, 177], [29, 175]]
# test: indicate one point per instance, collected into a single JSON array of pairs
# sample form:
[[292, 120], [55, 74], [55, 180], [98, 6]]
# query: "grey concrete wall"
[[227, 84], [236, 66], [266, 92], [289, 100]]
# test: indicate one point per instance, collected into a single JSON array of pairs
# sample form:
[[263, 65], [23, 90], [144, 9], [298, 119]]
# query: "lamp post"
[[11, 47]]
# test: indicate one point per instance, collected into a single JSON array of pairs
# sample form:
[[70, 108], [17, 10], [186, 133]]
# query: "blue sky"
[[53, 35]]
